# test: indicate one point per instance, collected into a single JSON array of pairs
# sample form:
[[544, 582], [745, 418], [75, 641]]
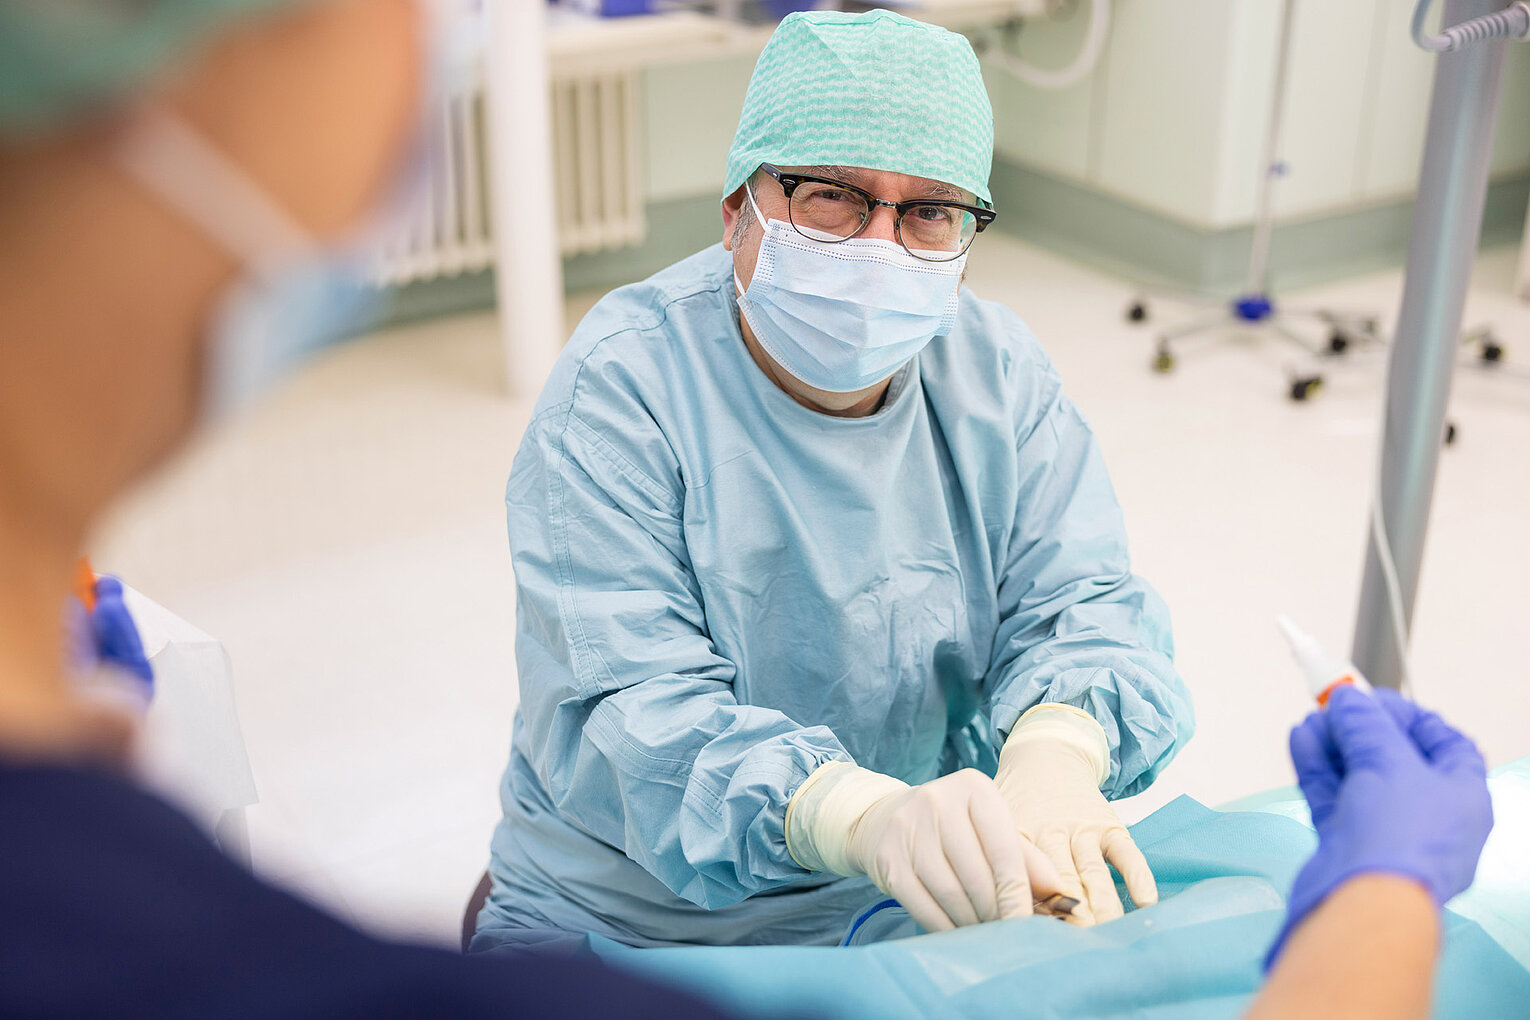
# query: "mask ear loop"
[[759, 216], [189, 175], [764, 223], [762, 219]]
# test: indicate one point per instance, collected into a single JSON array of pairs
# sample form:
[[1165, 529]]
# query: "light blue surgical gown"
[[719, 590]]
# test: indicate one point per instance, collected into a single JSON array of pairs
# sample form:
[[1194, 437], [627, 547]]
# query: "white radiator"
[[450, 232], [595, 161], [596, 164]]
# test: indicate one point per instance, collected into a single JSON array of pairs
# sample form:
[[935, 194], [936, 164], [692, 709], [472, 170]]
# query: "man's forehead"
[[862, 177]]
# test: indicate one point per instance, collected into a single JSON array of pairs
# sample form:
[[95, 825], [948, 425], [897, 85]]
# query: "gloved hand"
[[1392, 789], [115, 635], [948, 850], [1050, 772]]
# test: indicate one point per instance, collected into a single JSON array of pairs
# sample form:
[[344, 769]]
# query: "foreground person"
[[168, 168]]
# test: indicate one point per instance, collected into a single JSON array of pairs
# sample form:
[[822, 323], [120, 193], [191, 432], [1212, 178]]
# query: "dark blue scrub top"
[[112, 904]]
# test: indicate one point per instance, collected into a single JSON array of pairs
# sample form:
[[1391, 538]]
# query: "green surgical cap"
[[873, 90], [59, 59]]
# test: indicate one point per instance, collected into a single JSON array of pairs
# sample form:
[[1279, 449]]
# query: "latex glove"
[[948, 850], [1392, 789], [1050, 772]]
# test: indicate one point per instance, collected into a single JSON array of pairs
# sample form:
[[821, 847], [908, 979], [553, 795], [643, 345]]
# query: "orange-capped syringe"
[[1324, 673]]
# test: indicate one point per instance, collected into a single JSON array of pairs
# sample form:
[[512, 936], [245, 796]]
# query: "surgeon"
[[177, 179], [809, 544]]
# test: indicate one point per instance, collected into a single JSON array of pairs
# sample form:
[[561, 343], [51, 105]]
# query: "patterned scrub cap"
[[61, 59], [874, 90]]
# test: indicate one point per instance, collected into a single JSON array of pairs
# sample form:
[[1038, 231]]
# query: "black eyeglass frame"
[[790, 182]]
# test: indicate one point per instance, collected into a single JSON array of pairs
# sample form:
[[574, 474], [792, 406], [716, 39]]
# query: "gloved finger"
[[972, 868], [1099, 887], [1040, 871], [1364, 732], [1002, 847], [1122, 852], [1446, 747], [1316, 772], [921, 906], [933, 867], [1401, 709], [1055, 844]]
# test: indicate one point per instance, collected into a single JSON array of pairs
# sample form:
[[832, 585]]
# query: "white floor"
[[346, 543]]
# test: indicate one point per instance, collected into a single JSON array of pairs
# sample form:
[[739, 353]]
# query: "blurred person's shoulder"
[[113, 903]]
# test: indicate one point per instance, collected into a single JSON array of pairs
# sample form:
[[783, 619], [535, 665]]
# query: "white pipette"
[[1323, 671]]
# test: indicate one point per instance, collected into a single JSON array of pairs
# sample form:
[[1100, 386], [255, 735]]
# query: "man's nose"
[[882, 225]]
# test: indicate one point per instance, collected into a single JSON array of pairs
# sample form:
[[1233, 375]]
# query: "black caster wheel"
[[1492, 352], [1338, 342], [1137, 312], [1450, 433], [1163, 363], [1303, 390]]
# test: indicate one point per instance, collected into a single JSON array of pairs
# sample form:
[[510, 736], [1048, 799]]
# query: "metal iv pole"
[[1447, 223], [1255, 306]]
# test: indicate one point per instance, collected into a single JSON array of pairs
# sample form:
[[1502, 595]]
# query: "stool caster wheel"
[[1492, 352], [1303, 390], [1163, 363], [1137, 312], [1338, 342], [1450, 433]]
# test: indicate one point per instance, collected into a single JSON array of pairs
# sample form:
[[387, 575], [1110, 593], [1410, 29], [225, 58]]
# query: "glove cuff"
[[823, 812], [1072, 726]]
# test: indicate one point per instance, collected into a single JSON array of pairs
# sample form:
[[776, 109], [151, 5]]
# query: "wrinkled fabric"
[[874, 90], [719, 590], [1196, 955]]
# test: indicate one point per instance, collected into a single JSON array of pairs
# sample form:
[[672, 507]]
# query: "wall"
[[1167, 135], [1174, 118], [1149, 167]]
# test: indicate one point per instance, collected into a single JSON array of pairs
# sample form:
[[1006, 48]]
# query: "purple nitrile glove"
[[116, 636], [1393, 790]]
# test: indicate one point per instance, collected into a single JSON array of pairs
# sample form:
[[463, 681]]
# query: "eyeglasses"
[[831, 211]]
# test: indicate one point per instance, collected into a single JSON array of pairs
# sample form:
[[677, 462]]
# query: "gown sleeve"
[[1076, 625], [633, 726]]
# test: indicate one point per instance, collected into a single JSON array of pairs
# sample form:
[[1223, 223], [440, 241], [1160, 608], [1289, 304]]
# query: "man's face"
[[745, 245], [884, 184]]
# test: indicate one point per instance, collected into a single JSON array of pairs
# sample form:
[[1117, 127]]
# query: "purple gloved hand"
[[116, 636], [1393, 789]]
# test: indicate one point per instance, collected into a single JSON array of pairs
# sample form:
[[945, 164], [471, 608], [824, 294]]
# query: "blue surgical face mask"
[[295, 294], [844, 316]]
